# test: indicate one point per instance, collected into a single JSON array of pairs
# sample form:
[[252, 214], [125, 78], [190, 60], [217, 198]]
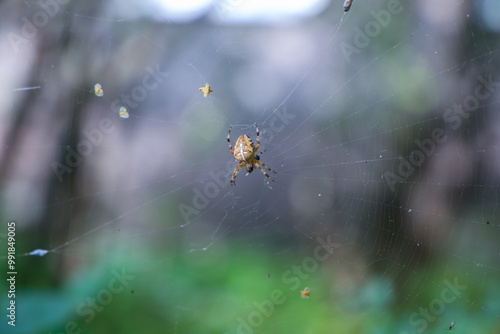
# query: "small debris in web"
[[98, 90], [38, 252], [347, 5], [305, 293], [26, 88], [123, 112], [206, 90]]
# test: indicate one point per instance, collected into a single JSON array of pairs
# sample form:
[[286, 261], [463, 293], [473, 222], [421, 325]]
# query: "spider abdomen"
[[244, 149]]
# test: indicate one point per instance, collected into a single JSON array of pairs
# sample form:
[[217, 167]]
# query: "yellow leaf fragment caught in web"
[[206, 90]]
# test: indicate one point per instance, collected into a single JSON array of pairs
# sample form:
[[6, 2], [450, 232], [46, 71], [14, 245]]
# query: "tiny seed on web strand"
[[305, 293], [98, 90], [123, 112]]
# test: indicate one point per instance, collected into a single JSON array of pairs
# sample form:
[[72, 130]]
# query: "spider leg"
[[229, 141], [257, 162], [260, 168], [258, 138], [235, 172], [256, 155]]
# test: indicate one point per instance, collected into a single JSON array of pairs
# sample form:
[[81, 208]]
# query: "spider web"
[[380, 122]]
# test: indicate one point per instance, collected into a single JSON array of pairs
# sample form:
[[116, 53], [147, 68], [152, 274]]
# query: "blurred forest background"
[[381, 122]]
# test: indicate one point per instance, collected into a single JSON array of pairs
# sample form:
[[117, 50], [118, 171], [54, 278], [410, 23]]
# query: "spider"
[[246, 155]]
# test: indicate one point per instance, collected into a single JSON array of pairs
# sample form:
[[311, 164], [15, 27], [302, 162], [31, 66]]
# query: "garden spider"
[[246, 155]]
